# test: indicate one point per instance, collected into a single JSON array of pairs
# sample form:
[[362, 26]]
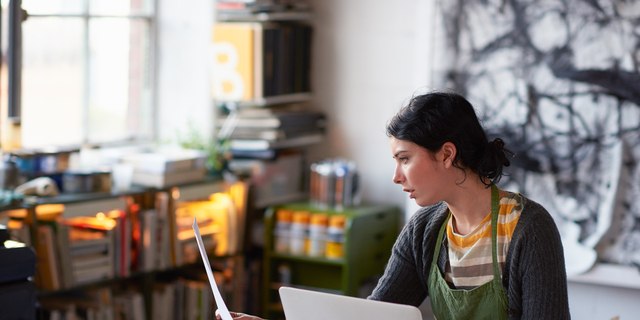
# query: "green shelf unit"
[[370, 232]]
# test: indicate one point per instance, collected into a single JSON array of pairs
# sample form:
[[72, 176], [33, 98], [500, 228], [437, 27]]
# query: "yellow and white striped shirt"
[[469, 262]]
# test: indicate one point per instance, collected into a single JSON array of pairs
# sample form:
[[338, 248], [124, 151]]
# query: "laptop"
[[301, 304]]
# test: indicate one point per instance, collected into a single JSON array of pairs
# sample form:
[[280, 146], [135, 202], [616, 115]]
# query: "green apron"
[[488, 301]]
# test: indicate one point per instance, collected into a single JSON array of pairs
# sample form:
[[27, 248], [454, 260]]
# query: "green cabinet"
[[370, 232]]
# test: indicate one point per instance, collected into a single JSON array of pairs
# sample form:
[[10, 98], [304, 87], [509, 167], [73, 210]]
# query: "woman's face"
[[418, 172]]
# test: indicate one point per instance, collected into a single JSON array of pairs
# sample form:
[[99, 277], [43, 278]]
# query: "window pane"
[[53, 6], [120, 7], [52, 82], [119, 86]]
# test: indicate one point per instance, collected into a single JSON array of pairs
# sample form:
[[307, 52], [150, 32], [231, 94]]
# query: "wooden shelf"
[[277, 285], [370, 232], [266, 16], [270, 101], [282, 199], [334, 262]]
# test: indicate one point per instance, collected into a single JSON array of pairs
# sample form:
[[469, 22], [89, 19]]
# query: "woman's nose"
[[397, 177]]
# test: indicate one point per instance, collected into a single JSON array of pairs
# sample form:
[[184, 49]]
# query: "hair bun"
[[497, 143]]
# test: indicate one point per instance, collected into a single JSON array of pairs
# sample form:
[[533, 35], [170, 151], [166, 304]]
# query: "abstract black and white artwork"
[[559, 81]]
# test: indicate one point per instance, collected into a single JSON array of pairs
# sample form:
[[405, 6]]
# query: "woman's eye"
[[404, 160]]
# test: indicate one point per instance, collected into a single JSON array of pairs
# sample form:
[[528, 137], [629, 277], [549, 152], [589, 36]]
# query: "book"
[[233, 62], [253, 60], [47, 274], [280, 120], [88, 261], [149, 240], [175, 249], [64, 253], [129, 305], [92, 274], [271, 134], [212, 217], [167, 160], [164, 230], [81, 248], [122, 242], [287, 48], [269, 154], [92, 248], [159, 180], [179, 299], [258, 145], [19, 231], [163, 301]]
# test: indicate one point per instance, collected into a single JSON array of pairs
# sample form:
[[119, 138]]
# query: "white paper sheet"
[[222, 307]]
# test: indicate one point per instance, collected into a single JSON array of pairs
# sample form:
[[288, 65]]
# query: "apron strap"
[[436, 253], [495, 207]]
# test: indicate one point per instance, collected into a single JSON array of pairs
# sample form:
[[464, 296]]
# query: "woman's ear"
[[448, 152]]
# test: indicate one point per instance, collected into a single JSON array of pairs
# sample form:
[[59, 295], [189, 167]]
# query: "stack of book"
[[167, 167], [259, 132], [129, 305], [255, 6], [91, 248], [184, 299], [90, 304], [150, 239], [210, 217]]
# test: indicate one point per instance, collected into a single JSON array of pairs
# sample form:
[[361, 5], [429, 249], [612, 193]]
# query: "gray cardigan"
[[534, 273]]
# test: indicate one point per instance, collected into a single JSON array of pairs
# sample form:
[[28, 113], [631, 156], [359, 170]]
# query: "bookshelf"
[[157, 272], [270, 101], [369, 234], [262, 60], [265, 16]]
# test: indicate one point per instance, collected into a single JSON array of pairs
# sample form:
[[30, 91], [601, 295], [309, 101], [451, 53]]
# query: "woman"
[[498, 254]]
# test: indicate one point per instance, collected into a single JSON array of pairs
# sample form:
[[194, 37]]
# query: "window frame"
[[17, 15]]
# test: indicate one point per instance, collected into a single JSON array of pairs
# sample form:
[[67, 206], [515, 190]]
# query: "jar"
[[299, 232], [281, 231], [317, 234], [336, 237], [284, 274]]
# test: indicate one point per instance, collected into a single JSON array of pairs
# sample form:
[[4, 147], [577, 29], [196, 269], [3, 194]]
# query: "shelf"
[[266, 16], [189, 190], [277, 307], [201, 190], [135, 275], [325, 261], [270, 101], [277, 285], [65, 198], [370, 232], [610, 275], [81, 204], [263, 203]]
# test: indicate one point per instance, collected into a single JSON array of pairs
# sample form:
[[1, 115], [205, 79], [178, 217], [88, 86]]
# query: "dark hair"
[[431, 119]]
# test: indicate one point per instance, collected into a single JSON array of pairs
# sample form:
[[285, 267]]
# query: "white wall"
[[183, 98], [363, 72]]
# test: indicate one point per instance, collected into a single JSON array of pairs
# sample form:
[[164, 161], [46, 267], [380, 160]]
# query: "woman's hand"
[[238, 316]]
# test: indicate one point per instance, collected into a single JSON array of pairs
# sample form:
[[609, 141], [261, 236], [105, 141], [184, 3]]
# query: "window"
[[86, 71]]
